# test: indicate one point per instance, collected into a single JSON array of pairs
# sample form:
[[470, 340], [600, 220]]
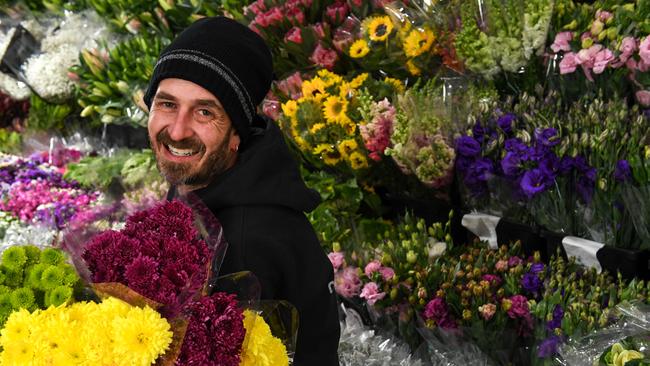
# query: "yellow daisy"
[[358, 161], [359, 48], [397, 84], [334, 109], [379, 28], [359, 80], [412, 69], [346, 147], [313, 89], [418, 41], [290, 108]]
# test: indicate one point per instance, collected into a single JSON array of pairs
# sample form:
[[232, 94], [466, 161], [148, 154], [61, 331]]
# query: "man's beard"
[[215, 162]]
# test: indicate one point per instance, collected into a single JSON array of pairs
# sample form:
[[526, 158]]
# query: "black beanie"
[[224, 57]]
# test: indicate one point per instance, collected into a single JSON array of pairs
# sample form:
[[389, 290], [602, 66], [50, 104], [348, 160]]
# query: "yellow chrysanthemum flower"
[[358, 161], [71, 352], [359, 48], [16, 353], [17, 325], [397, 84], [290, 108], [316, 127], [262, 348], [412, 69], [359, 80], [334, 109], [314, 89], [379, 28], [346, 147], [141, 336], [418, 41]]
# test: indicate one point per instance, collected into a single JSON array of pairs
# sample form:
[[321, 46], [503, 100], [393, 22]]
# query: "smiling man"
[[209, 140]]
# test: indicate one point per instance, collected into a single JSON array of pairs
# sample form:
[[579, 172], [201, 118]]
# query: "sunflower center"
[[337, 108], [381, 30]]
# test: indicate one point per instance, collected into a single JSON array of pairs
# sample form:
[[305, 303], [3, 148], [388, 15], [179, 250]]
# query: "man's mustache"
[[191, 143]]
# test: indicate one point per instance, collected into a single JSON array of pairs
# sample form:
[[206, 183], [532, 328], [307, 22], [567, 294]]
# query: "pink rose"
[[271, 17], [296, 16], [319, 30], [603, 57], [569, 63], [371, 293], [487, 311], [337, 259], [387, 273], [291, 86], [371, 268], [644, 50], [347, 282], [293, 35], [337, 12], [643, 97], [561, 42], [324, 57]]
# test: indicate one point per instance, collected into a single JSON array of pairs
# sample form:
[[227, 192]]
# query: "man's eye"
[[165, 104], [205, 113]]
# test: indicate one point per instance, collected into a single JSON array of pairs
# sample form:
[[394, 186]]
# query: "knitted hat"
[[224, 57]]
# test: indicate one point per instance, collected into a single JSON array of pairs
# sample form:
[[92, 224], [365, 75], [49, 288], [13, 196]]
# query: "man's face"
[[190, 133]]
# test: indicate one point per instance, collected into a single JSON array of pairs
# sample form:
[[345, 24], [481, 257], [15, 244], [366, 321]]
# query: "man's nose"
[[181, 127]]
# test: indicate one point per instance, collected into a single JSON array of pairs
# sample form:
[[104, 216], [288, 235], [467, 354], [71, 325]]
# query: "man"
[[208, 139]]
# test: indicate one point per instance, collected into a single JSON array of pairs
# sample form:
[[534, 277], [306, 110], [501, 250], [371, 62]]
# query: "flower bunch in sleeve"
[[324, 121], [420, 139], [34, 279]]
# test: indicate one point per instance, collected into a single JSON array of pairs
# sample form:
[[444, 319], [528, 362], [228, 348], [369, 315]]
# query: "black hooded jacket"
[[260, 203]]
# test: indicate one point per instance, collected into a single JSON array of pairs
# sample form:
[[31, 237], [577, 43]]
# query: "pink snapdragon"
[[324, 57], [376, 134], [371, 293], [561, 42]]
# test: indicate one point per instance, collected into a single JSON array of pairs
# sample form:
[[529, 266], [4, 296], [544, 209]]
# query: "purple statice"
[[533, 182], [467, 146], [546, 137], [556, 322], [623, 171], [549, 346], [505, 122]]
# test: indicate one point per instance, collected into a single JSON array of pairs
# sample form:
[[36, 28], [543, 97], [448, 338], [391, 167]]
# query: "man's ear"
[[234, 141]]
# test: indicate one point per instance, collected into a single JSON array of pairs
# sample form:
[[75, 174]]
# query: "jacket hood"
[[265, 174]]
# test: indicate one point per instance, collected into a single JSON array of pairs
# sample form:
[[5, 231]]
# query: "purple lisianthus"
[[623, 171], [547, 136], [566, 164], [533, 182], [514, 261], [463, 163], [505, 122], [515, 145], [556, 322], [511, 164], [478, 131], [482, 169], [586, 185], [550, 165], [536, 267], [531, 282], [549, 346], [467, 146]]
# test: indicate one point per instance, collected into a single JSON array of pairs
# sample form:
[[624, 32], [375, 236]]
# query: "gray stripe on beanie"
[[219, 68]]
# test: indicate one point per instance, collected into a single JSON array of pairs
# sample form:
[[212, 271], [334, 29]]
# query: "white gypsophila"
[[17, 90], [79, 30], [47, 73], [19, 234]]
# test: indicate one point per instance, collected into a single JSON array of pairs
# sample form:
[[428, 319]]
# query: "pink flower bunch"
[[376, 133], [375, 266], [158, 254], [337, 259], [324, 57], [519, 310], [371, 293], [291, 86], [438, 311], [215, 332], [291, 12], [347, 282]]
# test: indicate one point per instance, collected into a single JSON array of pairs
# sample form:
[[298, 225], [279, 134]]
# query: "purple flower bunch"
[[437, 311], [158, 254], [530, 164], [531, 281]]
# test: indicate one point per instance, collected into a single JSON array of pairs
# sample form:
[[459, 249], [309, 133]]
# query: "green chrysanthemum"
[[14, 257], [4, 289], [33, 254], [71, 277], [52, 256], [34, 274], [5, 308], [13, 277], [58, 296], [22, 298], [52, 277]]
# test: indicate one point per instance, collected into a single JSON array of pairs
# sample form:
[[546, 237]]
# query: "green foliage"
[[10, 141], [47, 116], [97, 172]]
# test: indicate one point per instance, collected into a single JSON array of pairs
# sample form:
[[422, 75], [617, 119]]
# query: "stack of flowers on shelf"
[[160, 258]]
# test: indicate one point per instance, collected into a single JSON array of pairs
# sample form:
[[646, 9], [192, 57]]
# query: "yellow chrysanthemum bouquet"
[[324, 120], [398, 43]]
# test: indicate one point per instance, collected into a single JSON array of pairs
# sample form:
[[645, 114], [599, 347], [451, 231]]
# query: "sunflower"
[[359, 80], [346, 147], [316, 127], [329, 78], [359, 48], [358, 161], [379, 28], [346, 91], [418, 41], [349, 126], [290, 108], [329, 155], [395, 83], [334, 109], [412, 69], [314, 89]]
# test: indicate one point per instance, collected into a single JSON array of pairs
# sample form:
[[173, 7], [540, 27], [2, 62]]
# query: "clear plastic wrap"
[[631, 333]]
